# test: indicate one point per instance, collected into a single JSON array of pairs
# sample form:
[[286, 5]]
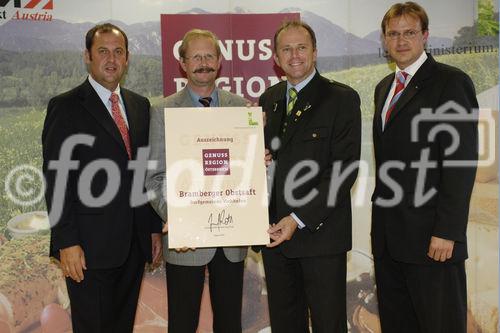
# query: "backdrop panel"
[[41, 45]]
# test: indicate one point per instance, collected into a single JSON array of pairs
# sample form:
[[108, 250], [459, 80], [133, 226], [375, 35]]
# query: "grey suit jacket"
[[155, 179]]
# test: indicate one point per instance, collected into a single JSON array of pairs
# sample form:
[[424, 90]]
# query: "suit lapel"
[[224, 99], [382, 93], [185, 100], [302, 110], [275, 114], [93, 104], [423, 74], [133, 117]]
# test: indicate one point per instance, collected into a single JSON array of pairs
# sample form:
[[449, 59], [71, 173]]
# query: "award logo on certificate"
[[216, 177]]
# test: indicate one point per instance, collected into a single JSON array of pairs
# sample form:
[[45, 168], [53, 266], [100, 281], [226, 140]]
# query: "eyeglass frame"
[[198, 58], [406, 35]]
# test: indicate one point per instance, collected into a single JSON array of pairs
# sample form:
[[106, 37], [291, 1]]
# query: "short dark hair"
[[287, 24], [103, 28], [408, 8]]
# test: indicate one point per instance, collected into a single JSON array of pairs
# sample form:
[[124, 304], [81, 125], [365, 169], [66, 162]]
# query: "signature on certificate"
[[223, 220]]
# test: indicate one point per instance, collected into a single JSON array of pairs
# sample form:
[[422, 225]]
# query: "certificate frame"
[[216, 177]]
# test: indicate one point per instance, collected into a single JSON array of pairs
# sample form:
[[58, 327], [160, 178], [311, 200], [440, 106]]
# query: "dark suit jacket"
[[104, 233], [406, 229], [325, 131]]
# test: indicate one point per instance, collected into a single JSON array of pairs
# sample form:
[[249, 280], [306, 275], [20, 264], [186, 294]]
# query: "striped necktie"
[[205, 101], [400, 85], [292, 98]]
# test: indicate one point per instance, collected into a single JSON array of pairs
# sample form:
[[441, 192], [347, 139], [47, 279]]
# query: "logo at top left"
[[26, 10]]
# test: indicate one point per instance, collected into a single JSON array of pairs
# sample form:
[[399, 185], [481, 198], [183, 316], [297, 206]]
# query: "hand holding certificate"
[[216, 187]]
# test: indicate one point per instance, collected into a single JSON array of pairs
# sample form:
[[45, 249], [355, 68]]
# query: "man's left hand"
[[156, 248], [282, 231], [440, 249]]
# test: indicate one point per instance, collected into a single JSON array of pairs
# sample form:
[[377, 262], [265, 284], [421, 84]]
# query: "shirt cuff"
[[299, 222]]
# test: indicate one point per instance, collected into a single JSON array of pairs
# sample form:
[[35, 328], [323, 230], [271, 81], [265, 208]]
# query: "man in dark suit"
[[100, 236], [313, 131], [425, 169]]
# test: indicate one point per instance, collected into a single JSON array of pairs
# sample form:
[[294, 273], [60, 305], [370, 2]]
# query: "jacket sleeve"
[[154, 218], [60, 191], [155, 179], [456, 182]]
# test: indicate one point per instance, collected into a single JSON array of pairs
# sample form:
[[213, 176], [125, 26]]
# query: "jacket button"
[[314, 135]]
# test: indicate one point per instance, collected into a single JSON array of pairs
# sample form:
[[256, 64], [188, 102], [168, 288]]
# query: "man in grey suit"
[[200, 58]]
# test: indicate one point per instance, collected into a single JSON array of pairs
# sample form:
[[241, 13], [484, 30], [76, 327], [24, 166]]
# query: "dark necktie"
[[205, 101]]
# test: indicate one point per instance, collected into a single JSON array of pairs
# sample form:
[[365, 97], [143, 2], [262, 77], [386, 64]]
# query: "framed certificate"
[[216, 177]]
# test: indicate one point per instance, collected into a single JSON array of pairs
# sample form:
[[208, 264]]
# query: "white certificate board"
[[216, 177]]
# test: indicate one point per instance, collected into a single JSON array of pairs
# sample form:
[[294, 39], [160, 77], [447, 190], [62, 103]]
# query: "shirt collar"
[[195, 97], [413, 68], [301, 84], [103, 93]]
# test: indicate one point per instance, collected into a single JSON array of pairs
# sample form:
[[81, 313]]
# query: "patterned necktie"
[[292, 98], [205, 101], [400, 85], [120, 122]]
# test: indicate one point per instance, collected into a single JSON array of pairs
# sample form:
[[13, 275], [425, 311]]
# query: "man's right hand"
[[73, 262]]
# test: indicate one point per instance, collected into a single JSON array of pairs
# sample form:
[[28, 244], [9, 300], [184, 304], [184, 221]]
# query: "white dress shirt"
[[411, 70], [105, 94]]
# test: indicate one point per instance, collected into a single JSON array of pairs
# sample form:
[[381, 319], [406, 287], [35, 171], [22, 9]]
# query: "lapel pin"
[[308, 106], [275, 106]]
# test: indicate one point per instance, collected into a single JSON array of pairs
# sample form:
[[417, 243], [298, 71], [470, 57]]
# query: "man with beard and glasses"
[[200, 57]]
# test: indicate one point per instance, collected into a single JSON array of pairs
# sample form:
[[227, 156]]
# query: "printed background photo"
[[41, 55]]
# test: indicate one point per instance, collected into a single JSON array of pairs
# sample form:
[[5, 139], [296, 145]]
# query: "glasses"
[[407, 35], [198, 57]]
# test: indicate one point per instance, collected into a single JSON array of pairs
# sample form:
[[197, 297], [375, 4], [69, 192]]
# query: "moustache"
[[204, 70]]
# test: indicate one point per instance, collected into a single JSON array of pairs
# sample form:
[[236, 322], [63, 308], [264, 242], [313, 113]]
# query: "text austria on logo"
[[26, 10]]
